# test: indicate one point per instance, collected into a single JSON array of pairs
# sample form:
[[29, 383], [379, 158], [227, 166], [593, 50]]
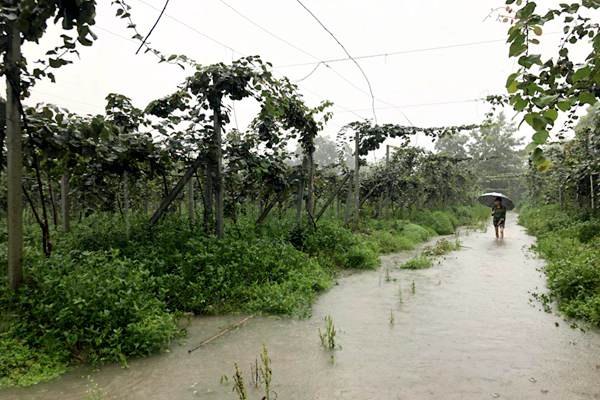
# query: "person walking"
[[499, 217]]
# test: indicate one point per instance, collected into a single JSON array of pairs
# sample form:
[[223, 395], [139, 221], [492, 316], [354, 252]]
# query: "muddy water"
[[467, 332]]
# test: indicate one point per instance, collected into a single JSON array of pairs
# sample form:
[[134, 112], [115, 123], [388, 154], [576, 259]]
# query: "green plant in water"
[[441, 247], [388, 277], [420, 262], [239, 387], [255, 373], [400, 298], [94, 392], [413, 287], [392, 317], [328, 337], [266, 373], [224, 379]]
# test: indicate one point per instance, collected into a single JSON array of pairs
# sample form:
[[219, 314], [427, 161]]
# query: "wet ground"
[[467, 331]]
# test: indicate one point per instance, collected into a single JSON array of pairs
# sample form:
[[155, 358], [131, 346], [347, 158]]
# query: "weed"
[[388, 277], [420, 262], [266, 373], [239, 387], [328, 337], [392, 318], [441, 247], [413, 287]]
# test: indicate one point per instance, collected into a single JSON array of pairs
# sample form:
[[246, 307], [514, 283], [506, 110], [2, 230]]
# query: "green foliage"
[[96, 306], [21, 365], [441, 247], [440, 221], [573, 265], [547, 83], [420, 262], [361, 256]]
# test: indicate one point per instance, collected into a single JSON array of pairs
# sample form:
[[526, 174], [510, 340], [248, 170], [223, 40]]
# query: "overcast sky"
[[431, 87]]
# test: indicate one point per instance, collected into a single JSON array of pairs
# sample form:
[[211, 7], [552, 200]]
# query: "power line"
[[153, 27], [347, 53], [399, 52], [422, 105], [190, 27]]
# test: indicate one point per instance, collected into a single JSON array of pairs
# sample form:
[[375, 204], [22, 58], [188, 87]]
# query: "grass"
[[103, 279], [570, 243], [419, 262]]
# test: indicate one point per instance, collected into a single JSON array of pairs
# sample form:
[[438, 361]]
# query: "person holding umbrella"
[[499, 204], [499, 215]]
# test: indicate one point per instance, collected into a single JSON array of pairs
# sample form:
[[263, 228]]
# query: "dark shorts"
[[499, 223]]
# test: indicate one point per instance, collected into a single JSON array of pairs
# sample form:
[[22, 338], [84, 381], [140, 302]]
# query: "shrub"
[[95, 306], [441, 247], [21, 365], [588, 231], [361, 256], [420, 262], [439, 221]]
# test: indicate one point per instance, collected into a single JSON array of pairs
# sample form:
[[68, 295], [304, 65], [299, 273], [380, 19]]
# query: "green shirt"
[[499, 213]]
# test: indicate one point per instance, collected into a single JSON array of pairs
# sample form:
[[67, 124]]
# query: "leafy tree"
[[497, 157], [564, 82], [453, 145]]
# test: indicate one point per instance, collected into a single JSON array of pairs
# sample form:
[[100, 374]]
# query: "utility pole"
[[14, 157]]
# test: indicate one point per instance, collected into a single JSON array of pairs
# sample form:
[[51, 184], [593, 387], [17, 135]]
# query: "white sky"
[[410, 83]]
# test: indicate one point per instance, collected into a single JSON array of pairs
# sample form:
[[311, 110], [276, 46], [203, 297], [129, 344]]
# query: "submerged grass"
[[419, 262]]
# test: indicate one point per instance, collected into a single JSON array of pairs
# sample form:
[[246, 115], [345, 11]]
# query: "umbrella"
[[487, 199]]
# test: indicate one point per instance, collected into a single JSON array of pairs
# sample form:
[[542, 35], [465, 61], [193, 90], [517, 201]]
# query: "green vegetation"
[[441, 247], [419, 262], [106, 295], [570, 242]]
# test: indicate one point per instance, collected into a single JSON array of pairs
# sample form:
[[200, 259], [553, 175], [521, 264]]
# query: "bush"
[[361, 256], [95, 306], [588, 231], [439, 221], [21, 365], [441, 247], [572, 250], [420, 262]]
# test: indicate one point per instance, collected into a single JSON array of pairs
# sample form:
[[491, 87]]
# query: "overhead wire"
[[153, 27], [347, 53]]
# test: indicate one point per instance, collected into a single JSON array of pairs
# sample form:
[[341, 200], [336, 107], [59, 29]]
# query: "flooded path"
[[468, 331]]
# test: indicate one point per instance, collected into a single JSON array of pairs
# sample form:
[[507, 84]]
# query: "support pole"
[[64, 202], [14, 158]]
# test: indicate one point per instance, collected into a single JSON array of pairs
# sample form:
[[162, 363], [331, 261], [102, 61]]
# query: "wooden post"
[[592, 194], [218, 153], [146, 197], [14, 158], [310, 195], [357, 176], [126, 204], [300, 194], [64, 202], [191, 206], [349, 198]]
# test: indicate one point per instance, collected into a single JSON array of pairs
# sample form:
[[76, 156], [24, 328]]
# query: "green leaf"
[[582, 73], [587, 98], [540, 137], [538, 30], [564, 105], [551, 114]]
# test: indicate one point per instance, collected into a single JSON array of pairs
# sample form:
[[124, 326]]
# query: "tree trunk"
[[357, 176], [14, 157], [219, 192], [64, 202]]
